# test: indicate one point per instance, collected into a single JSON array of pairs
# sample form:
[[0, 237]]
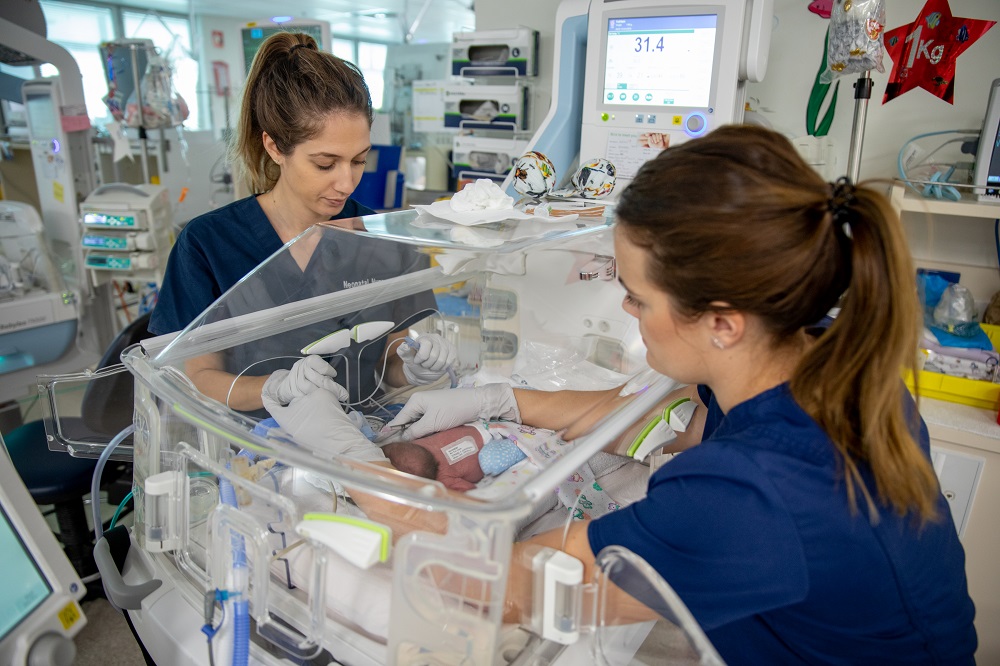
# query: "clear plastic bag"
[[956, 311], [854, 44], [162, 106]]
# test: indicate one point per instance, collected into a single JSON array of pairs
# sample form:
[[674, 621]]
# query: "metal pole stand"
[[137, 80], [862, 93]]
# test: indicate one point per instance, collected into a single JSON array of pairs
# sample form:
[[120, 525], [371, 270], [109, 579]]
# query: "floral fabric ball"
[[534, 174], [595, 178]]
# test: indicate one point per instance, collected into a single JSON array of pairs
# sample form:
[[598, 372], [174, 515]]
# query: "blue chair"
[[381, 186], [56, 478]]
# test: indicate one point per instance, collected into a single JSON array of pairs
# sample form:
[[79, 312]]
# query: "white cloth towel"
[[483, 194]]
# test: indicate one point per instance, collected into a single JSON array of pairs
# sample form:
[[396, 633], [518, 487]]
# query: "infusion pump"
[[127, 232]]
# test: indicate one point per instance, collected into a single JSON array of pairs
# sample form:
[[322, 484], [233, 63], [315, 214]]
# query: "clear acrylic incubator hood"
[[335, 557]]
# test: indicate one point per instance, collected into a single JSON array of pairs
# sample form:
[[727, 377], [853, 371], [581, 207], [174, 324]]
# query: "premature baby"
[[458, 457]]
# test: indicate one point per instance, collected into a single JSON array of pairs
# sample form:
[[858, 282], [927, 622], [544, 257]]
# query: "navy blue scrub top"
[[218, 249], [212, 253], [753, 531]]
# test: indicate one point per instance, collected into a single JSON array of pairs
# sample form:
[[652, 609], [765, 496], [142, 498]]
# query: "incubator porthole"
[[203, 495]]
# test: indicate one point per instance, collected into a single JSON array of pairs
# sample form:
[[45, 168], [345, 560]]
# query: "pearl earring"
[[717, 343]]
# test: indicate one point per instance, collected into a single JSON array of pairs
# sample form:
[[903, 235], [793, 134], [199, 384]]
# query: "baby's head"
[[412, 459]]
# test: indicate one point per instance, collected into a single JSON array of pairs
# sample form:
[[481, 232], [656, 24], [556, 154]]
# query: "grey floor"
[[106, 640]]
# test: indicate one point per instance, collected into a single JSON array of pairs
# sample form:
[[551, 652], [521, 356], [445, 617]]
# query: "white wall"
[[231, 52], [796, 49]]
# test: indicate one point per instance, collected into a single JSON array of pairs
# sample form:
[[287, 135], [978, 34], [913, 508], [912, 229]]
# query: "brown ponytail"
[[849, 380]]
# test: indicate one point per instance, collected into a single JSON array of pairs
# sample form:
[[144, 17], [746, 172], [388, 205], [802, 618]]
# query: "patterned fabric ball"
[[534, 174], [595, 178]]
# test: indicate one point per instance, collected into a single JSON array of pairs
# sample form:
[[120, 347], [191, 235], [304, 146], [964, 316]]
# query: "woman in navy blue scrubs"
[[302, 142], [808, 526]]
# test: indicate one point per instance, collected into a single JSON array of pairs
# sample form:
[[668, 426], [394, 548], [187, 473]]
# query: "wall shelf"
[[905, 199]]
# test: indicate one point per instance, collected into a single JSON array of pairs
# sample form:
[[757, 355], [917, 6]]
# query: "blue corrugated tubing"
[[241, 607], [241, 632]]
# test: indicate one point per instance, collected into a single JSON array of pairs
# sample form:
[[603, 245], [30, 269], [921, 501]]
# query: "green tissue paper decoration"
[[816, 97]]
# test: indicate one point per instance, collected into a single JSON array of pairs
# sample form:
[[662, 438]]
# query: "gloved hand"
[[428, 363], [317, 420], [306, 376], [433, 411]]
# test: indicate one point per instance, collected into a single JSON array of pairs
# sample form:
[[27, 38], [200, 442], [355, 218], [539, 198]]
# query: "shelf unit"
[[962, 434], [905, 199], [951, 236]]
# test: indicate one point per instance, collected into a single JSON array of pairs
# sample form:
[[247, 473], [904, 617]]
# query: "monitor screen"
[[25, 588], [991, 137], [986, 176], [41, 116], [660, 61], [993, 175], [254, 36]]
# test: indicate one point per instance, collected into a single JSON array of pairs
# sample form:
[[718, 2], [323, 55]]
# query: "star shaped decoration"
[[924, 52]]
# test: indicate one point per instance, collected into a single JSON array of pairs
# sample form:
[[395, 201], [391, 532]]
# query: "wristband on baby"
[[662, 429]]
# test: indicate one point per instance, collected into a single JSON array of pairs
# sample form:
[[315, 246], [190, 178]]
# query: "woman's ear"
[[272, 148], [726, 326]]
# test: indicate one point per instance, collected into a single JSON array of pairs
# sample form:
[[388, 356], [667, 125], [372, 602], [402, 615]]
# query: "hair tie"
[[839, 203], [297, 46], [841, 195]]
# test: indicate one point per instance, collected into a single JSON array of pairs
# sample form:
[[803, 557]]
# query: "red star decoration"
[[924, 52]]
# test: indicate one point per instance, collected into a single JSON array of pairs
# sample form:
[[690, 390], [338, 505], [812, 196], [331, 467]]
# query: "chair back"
[[107, 402]]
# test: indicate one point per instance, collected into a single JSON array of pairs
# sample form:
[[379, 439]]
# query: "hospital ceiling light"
[[376, 14], [281, 19]]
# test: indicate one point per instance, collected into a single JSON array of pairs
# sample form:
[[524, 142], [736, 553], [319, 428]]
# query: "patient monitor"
[[631, 77], [255, 32], [660, 73], [39, 613]]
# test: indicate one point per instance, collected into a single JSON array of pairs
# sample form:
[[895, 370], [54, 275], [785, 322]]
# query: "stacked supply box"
[[486, 107], [475, 157], [511, 52]]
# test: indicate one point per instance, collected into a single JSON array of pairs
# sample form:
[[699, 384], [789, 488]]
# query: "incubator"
[[251, 541], [38, 315]]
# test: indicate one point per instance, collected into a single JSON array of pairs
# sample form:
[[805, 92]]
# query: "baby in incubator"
[[481, 457], [458, 457]]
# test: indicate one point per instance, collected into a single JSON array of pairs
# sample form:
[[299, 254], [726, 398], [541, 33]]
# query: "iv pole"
[[862, 93], [142, 122]]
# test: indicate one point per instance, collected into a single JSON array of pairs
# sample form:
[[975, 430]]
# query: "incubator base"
[[170, 621], [169, 626]]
